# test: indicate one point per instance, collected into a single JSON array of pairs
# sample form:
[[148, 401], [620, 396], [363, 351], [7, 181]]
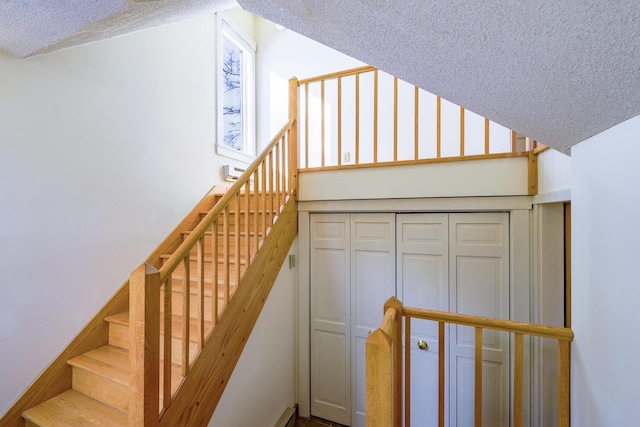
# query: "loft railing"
[[364, 117], [385, 362], [264, 188]]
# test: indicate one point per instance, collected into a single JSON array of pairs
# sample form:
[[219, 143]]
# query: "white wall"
[[282, 55], [605, 290], [492, 177], [262, 385], [285, 54], [554, 172], [103, 149]]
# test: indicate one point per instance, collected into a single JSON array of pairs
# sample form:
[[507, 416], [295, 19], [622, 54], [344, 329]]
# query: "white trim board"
[[440, 204]]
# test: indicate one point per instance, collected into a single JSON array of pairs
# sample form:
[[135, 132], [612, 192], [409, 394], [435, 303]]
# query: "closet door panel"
[[479, 285], [423, 281], [372, 284], [330, 317]]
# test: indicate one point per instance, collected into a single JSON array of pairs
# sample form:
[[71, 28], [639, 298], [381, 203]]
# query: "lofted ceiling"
[[32, 27], [557, 71]]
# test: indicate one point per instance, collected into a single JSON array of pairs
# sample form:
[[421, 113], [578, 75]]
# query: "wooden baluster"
[[397, 367], [407, 372], [441, 367], [395, 119], [257, 214], [236, 247], [247, 222], [264, 199], [375, 116], [271, 191], [339, 121], [200, 294], [564, 383], [214, 268], [461, 132], [478, 379], [517, 381], [167, 341], [285, 144], [486, 136], [277, 176], [438, 128], [322, 147], [306, 125], [357, 161], [416, 116], [144, 353], [293, 136], [186, 309], [225, 256]]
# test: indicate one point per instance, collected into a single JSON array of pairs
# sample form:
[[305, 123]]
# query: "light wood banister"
[[397, 150], [478, 379], [384, 344], [554, 332], [293, 136], [345, 73], [380, 372], [144, 351], [183, 250]]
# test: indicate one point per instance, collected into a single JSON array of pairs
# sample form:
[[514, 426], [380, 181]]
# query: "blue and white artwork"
[[232, 80]]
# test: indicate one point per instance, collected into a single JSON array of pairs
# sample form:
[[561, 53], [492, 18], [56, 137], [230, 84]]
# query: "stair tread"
[[120, 318], [107, 361], [73, 408]]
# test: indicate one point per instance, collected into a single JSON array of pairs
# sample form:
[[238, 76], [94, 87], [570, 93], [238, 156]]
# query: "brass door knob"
[[422, 345]]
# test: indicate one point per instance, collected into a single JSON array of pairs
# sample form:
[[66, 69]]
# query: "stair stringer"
[[56, 377], [195, 401]]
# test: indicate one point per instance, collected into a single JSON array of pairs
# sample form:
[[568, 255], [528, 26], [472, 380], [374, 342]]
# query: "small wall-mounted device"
[[231, 173]]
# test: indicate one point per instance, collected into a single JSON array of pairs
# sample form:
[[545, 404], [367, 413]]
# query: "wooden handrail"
[[383, 344], [554, 332], [274, 183], [183, 250], [345, 73]]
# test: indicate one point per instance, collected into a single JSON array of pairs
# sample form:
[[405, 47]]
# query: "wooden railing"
[[365, 117], [385, 383], [252, 205]]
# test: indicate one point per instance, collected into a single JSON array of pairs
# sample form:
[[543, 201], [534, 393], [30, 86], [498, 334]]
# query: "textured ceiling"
[[31, 27], [558, 71]]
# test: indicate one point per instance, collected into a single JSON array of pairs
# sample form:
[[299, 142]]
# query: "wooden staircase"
[[162, 349], [100, 377]]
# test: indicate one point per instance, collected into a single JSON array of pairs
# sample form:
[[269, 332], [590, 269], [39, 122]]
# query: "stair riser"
[[101, 389], [233, 217], [208, 249], [119, 337], [177, 301], [194, 271], [253, 202]]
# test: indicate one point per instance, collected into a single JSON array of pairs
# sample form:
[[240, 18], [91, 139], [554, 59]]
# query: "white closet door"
[[372, 283], [479, 285], [330, 316], [423, 281]]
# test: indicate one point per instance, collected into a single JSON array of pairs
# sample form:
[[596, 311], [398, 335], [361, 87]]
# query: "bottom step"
[[72, 408]]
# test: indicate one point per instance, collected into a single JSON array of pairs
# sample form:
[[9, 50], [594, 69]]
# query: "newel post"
[[293, 135], [144, 350]]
